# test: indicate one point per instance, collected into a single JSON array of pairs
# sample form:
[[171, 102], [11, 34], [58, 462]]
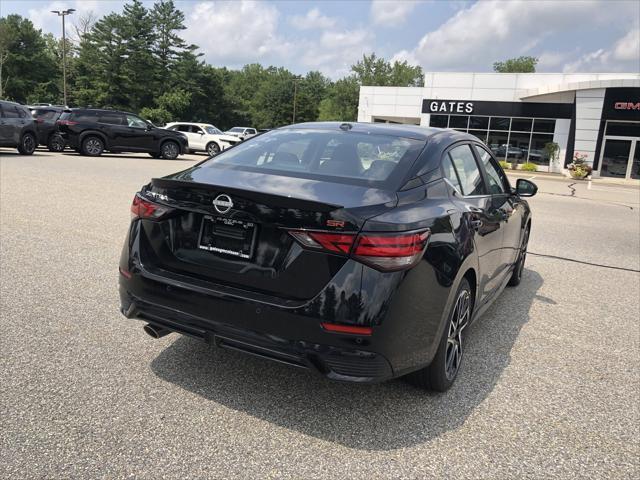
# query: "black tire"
[[170, 150], [213, 149], [27, 144], [92, 146], [155, 155], [444, 368], [516, 276], [55, 143]]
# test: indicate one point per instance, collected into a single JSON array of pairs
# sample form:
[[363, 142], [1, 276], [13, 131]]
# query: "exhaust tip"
[[155, 331]]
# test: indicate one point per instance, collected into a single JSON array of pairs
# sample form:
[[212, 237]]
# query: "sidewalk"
[[621, 182]]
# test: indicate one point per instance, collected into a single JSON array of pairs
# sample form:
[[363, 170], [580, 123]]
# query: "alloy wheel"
[[93, 146], [523, 253], [213, 149], [170, 150], [29, 143], [459, 321]]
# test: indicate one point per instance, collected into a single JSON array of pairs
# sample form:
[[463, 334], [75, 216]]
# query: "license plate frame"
[[228, 236]]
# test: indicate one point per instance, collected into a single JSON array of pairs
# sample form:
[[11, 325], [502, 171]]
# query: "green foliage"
[[522, 64], [372, 70], [552, 149], [529, 167], [505, 165], [136, 60], [341, 102], [28, 61]]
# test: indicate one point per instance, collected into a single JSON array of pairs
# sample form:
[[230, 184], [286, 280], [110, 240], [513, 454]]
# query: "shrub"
[[505, 165], [529, 167]]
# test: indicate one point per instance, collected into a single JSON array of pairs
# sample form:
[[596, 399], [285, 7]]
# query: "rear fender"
[[94, 133]]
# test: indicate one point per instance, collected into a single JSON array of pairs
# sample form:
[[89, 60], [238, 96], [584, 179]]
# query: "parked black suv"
[[17, 128], [92, 131], [46, 118]]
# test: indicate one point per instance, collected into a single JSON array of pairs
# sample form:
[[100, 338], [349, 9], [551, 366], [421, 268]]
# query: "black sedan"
[[359, 251]]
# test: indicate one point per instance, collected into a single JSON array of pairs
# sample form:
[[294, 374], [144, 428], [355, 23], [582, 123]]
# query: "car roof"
[[100, 110], [397, 130], [191, 123]]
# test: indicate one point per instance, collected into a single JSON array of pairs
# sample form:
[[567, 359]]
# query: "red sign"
[[627, 106]]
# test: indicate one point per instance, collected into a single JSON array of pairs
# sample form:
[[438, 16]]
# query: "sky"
[[330, 35]]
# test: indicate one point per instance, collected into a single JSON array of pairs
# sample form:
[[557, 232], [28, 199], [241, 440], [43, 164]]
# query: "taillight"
[[382, 251], [66, 122], [143, 208], [390, 252], [333, 242]]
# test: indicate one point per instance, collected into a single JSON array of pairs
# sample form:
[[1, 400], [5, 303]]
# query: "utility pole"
[[295, 95], [64, 13]]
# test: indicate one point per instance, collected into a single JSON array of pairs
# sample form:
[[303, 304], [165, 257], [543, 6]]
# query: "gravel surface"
[[549, 387]]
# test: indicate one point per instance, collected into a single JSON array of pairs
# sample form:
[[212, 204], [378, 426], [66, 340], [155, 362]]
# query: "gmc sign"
[[627, 106]]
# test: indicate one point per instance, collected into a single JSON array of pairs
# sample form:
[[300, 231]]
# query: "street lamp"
[[64, 13]]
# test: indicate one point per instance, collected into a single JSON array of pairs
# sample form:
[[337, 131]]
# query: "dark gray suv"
[[18, 129]]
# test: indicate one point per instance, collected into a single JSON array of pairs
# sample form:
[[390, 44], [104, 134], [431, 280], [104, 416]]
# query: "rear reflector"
[[143, 208], [390, 252], [125, 273], [333, 242], [351, 329]]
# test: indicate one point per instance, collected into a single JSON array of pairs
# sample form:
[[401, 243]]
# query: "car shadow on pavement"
[[384, 416]]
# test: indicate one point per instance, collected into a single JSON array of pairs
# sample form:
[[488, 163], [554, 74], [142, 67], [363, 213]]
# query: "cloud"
[[388, 13], [313, 19], [234, 33], [622, 56], [628, 47], [43, 19], [488, 31], [336, 50]]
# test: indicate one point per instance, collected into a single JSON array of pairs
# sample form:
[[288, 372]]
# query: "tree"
[[341, 102], [516, 65], [374, 71], [28, 64], [168, 47]]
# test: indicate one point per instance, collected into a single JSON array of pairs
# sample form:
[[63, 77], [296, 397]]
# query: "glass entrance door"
[[620, 158]]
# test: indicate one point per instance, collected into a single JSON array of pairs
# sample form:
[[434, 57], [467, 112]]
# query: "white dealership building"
[[517, 114]]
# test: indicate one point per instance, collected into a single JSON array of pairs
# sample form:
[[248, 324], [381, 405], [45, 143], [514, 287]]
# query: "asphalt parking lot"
[[549, 387]]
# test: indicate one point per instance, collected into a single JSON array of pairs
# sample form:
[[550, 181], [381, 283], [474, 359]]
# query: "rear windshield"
[[345, 157], [44, 114], [237, 129]]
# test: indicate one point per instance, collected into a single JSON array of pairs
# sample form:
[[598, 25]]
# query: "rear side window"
[[10, 111], [467, 170], [450, 173], [111, 118], [496, 179], [84, 117], [347, 157], [44, 114]]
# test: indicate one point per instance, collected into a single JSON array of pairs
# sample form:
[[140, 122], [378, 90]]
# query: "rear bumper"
[[242, 327]]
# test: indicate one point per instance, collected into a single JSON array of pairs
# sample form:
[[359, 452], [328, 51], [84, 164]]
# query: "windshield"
[[347, 157], [211, 130], [237, 129]]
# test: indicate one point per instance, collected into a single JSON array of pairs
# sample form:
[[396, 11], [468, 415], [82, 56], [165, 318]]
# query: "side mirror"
[[526, 188], [149, 127]]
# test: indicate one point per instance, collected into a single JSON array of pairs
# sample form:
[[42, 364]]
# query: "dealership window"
[[623, 129], [519, 140]]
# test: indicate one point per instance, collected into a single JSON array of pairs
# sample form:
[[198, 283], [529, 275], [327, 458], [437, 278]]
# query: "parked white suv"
[[242, 132], [204, 137]]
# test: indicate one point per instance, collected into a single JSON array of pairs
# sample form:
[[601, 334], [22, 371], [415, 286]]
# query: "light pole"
[[64, 13]]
